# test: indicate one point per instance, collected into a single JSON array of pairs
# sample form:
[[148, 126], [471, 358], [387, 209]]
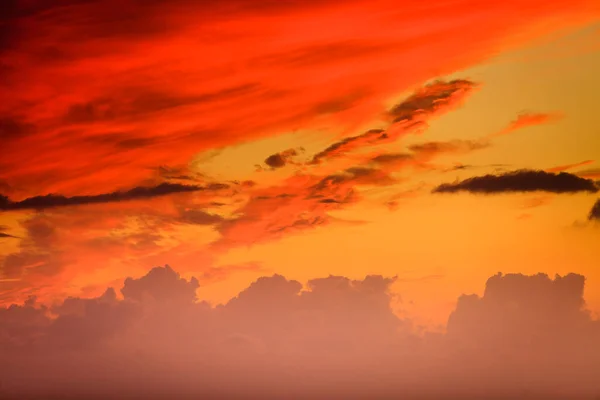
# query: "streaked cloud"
[[51, 200], [528, 119]]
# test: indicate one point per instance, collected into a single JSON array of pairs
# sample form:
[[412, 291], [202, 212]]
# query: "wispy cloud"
[[528, 119], [561, 168], [51, 200]]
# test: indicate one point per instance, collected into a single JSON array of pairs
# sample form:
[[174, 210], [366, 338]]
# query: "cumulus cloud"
[[331, 338], [431, 99], [521, 181]]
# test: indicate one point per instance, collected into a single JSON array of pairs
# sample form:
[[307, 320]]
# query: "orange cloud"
[[99, 92], [521, 181], [566, 167], [407, 116], [592, 173], [526, 120]]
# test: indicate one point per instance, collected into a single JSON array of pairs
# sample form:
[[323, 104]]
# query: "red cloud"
[[526, 120], [566, 167], [96, 92]]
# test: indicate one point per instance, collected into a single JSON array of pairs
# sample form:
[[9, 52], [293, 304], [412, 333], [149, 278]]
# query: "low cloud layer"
[[521, 181], [337, 338]]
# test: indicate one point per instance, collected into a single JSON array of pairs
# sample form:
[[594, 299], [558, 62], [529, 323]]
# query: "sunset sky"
[[197, 135], [270, 192]]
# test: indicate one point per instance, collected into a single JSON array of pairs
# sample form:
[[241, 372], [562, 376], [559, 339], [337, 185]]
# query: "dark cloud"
[[143, 102], [350, 143], [3, 233], [594, 214], [279, 160], [14, 128], [141, 192], [408, 114], [526, 337], [393, 158], [453, 146], [521, 181], [275, 161], [430, 99]]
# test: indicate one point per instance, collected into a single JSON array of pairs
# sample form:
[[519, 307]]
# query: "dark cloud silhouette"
[[526, 337], [281, 159], [140, 192], [594, 214], [431, 99], [3, 233], [408, 115], [521, 181], [372, 136]]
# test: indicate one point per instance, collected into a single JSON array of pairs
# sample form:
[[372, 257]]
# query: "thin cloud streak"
[[52, 201]]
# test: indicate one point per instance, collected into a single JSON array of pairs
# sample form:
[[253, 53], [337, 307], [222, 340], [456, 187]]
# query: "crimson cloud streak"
[[98, 91]]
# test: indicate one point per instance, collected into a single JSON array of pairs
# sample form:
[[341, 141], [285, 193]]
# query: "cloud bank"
[[527, 336]]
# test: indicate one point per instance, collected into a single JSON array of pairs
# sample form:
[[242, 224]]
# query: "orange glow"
[[328, 180]]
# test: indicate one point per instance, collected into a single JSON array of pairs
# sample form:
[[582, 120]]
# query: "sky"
[[227, 160]]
